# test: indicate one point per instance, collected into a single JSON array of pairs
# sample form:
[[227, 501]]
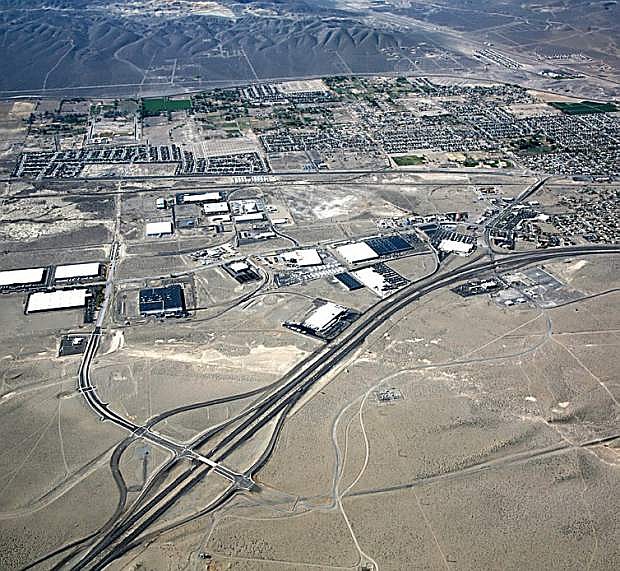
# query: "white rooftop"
[[157, 228], [85, 270], [238, 266], [357, 252], [374, 281], [215, 208], [322, 316], [249, 217], [309, 257], [61, 299], [455, 246], [203, 197], [25, 276]]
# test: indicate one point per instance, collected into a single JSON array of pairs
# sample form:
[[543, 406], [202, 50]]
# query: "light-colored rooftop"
[[322, 316], [18, 277], [308, 257], [157, 228], [255, 216], [215, 208], [202, 197], [61, 299], [357, 252], [455, 246], [69, 271], [238, 266], [372, 280]]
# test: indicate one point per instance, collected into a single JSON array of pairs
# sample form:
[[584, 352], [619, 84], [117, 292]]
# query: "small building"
[[72, 345], [76, 271], [161, 204], [187, 223], [165, 228], [165, 301], [55, 300], [19, 279], [356, 252], [242, 271]]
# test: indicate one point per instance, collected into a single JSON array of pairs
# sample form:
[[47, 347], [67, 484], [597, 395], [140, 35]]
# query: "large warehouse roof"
[[322, 316], [357, 252], [203, 197], [372, 280], [455, 246], [157, 228], [166, 300], [26, 276], [69, 271], [61, 299], [309, 257]]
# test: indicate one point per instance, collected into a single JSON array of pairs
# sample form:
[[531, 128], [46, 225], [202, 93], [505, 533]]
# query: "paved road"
[[89, 392], [302, 378]]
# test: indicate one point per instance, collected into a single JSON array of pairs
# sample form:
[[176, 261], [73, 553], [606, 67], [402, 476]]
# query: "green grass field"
[[584, 107], [163, 104], [409, 160]]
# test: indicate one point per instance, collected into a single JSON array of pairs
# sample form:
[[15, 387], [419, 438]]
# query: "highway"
[[233, 434], [89, 392]]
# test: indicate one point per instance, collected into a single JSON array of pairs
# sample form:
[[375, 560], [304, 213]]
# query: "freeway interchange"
[[273, 406]]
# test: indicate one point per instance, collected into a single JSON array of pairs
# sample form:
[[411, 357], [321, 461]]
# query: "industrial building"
[[188, 198], [22, 279], [323, 316], [356, 252], [252, 217], [303, 258], [379, 246], [165, 228], [349, 281], [389, 245], [215, 208], [242, 272], [456, 247], [165, 301], [325, 321], [54, 300], [381, 279], [78, 271], [72, 345]]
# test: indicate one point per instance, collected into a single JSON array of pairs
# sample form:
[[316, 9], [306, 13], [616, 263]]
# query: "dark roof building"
[[166, 301], [349, 281]]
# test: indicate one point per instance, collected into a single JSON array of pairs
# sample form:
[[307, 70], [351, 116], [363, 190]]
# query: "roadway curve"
[[298, 382]]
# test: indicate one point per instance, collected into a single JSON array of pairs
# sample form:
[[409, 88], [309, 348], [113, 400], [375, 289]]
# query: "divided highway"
[[89, 392], [276, 404]]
